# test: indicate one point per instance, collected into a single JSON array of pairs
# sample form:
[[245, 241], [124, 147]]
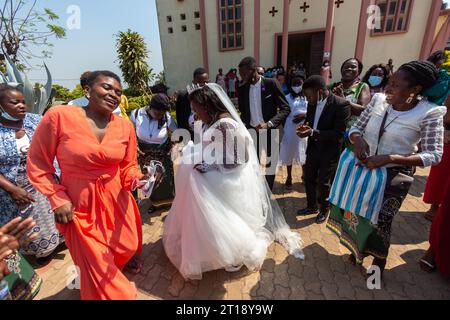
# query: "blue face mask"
[[375, 81], [6, 116]]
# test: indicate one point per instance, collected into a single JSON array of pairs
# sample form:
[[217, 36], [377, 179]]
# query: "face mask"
[[375, 81], [297, 90], [6, 116]]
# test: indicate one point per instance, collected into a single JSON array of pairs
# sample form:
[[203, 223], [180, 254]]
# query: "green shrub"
[[446, 64], [138, 102]]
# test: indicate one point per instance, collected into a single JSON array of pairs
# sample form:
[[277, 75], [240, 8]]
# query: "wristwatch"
[[270, 124]]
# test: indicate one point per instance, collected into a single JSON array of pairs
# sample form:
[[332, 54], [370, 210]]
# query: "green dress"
[[352, 95], [441, 90]]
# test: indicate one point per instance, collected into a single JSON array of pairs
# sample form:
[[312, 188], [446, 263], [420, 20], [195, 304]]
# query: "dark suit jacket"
[[329, 135], [183, 110], [275, 107]]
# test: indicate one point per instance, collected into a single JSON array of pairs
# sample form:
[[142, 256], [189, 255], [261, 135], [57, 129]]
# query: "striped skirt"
[[362, 209], [358, 189]]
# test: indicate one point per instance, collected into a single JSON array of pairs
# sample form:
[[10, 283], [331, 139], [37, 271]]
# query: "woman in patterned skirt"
[[153, 126], [385, 138], [17, 197]]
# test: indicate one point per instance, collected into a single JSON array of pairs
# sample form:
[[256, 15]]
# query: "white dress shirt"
[[319, 111], [256, 115], [148, 131]]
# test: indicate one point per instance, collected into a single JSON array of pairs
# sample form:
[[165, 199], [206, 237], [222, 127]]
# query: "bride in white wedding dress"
[[224, 215]]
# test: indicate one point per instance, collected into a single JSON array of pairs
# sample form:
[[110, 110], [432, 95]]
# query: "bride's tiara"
[[194, 87]]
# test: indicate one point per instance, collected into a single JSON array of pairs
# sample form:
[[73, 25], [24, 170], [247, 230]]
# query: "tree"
[[133, 54], [76, 93], [23, 29], [62, 93], [161, 78]]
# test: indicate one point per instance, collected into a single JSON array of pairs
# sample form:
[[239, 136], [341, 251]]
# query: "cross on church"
[[304, 7], [273, 11], [339, 2]]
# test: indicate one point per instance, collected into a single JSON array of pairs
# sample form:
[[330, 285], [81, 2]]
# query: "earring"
[[410, 99]]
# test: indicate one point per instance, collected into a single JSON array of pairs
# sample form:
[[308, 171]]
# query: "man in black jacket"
[[183, 105], [263, 107], [324, 127]]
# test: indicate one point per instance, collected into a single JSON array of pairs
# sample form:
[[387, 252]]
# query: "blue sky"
[[92, 47]]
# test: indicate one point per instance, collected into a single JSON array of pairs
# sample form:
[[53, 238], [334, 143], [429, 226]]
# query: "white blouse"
[[403, 130], [147, 129], [23, 144]]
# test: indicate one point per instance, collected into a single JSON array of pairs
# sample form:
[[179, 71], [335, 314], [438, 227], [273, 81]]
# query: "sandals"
[[134, 266], [233, 269], [427, 266]]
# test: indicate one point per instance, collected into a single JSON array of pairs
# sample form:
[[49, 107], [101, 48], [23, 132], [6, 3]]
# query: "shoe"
[[233, 269], [322, 217], [307, 212], [427, 266]]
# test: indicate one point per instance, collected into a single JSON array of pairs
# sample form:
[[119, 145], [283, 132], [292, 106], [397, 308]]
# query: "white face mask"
[[6, 115], [297, 90]]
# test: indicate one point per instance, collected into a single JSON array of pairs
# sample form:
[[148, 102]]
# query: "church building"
[[219, 33]]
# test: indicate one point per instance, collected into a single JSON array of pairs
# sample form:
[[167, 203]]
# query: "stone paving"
[[325, 274]]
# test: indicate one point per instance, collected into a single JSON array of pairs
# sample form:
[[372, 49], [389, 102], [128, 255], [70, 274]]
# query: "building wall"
[[182, 51], [269, 27], [227, 59], [403, 47], [315, 17], [345, 34]]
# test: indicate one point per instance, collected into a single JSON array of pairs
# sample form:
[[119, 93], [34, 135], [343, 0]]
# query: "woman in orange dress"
[[94, 208]]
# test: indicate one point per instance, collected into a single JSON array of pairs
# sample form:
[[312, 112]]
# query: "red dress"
[[96, 177], [435, 189], [440, 234]]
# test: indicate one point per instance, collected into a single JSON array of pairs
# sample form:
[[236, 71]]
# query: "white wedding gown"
[[223, 216]]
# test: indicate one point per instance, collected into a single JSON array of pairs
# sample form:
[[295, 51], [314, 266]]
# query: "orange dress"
[[96, 177]]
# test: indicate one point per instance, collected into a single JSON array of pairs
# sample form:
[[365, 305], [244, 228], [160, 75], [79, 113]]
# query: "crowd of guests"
[[66, 178]]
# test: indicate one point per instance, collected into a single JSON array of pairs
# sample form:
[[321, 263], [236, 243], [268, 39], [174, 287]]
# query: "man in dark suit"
[[183, 105], [263, 107], [324, 127]]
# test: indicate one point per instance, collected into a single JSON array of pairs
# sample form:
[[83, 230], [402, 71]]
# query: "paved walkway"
[[325, 274]]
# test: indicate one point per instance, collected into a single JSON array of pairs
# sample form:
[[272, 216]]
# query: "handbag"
[[399, 181]]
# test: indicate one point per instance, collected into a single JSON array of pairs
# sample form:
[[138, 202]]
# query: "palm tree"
[[133, 54]]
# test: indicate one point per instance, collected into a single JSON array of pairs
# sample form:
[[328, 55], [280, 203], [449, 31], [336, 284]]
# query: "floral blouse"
[[9, 156]]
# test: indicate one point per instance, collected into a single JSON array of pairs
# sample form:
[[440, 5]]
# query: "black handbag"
[[399, 181]]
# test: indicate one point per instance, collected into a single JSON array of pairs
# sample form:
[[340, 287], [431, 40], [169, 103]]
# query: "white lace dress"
[[219, 216]]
